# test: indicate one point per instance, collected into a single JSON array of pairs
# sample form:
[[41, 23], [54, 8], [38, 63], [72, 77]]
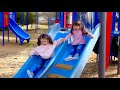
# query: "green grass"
[[31, 44]]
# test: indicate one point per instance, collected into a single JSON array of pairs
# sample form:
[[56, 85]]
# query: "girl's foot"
[[68, 58], [30, 74], [75, 57]]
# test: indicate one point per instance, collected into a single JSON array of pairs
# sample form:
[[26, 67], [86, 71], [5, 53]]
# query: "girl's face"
[[76, 27], [44, 41]]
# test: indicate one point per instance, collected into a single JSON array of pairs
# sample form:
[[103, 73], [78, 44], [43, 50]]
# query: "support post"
[[49, 23], [3, 36], [118, 67], [27, 21], [102, 46], [8, 33], [62, 19], [36, 30]]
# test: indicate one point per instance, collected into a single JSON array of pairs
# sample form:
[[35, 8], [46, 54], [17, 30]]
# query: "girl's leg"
[[74, 47], [72, 52], [32, 74], [79, 50], [40, 66]]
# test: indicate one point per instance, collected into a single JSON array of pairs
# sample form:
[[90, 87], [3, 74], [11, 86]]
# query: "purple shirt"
[[78, 38]]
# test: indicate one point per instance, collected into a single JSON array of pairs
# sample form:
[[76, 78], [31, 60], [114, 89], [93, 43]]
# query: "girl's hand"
[[63, 40], [29, 55], [92, 36]]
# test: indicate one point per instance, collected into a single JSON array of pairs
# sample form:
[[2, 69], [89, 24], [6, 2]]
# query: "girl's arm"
[[68, 36], [33, 52], [59, 41], [89, 34]]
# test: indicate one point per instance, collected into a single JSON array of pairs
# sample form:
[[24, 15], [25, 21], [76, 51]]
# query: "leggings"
[[76, 49], [40, 66]]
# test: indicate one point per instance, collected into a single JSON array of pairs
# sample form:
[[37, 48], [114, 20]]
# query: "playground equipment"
[[22, 35], [4, 17], [51, 21], [27, 20], [58, 68], [7, 22], [65, 19], [115, 36]]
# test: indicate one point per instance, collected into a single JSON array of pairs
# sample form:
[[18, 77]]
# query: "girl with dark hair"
[[45, 49], [78, 31]]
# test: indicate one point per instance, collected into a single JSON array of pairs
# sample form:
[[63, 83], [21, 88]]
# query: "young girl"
[[45, 49], [78, 31]]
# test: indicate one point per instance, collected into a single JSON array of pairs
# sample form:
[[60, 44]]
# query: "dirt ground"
[[13, 56]]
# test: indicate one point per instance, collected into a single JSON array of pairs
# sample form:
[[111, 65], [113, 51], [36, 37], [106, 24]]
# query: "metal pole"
[[119, 22], [14, 18], [118, 68], [80, 16], [92, 13], [36, 22], [113, 21], [62, 19], [22, 18], [102, 46], [74, 16], [3, 30], [3, 36], [113, 29], [48, 23], [27, 21], [8, 34]]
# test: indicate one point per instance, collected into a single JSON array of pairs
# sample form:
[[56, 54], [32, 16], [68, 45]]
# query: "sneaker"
[[75, 57], [30, 74], [68, 58]]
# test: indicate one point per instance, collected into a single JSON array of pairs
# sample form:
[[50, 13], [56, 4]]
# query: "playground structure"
[[56, 32], [8, 22], [100, 25]]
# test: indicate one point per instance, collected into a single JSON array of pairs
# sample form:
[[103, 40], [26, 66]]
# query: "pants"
[[40, 66], [76, 49]]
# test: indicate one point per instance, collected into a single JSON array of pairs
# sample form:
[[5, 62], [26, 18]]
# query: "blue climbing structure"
[[8, 20]]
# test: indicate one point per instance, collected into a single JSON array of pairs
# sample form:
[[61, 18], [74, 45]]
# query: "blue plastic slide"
[[57, 67], [33, 61], [21, 34], [71, 69]]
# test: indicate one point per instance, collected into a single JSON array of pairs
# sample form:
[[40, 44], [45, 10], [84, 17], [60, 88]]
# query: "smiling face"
[[76, 27], [44, 41]]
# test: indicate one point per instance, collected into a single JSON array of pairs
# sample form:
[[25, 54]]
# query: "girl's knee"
[[80, 46]]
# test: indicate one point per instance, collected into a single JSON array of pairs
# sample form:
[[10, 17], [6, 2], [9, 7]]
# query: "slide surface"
[[33, 61], [21, 34], [74, 68], [57, 67]]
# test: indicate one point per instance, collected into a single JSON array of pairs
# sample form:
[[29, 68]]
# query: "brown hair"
[[77, 23], [44, 36]]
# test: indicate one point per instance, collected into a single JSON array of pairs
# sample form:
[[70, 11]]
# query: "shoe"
[[68, 58], [30, 74], [75, 57]]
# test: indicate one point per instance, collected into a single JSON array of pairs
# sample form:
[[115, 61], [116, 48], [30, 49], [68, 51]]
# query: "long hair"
[[44, 36], [79, 23]]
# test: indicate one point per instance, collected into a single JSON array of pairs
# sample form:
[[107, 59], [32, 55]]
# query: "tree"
[[31, 18]]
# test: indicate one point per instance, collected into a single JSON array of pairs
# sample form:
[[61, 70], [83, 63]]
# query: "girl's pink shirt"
[[78, 38], [46, 51]]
